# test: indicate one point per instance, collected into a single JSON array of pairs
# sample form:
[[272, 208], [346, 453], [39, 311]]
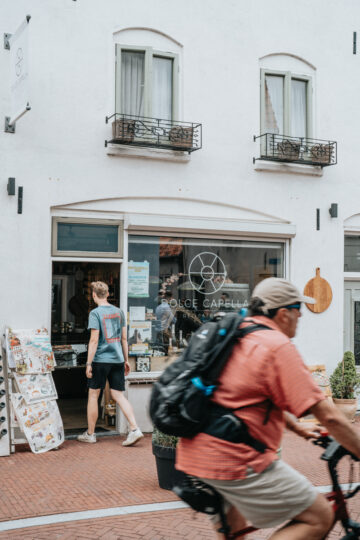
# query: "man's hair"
[[255, 308], [168, 294], [100, 289]]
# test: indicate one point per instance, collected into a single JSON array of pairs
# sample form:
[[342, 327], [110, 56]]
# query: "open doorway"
[[70, 307]]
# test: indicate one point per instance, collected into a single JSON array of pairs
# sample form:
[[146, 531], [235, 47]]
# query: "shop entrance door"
[[71, 304]]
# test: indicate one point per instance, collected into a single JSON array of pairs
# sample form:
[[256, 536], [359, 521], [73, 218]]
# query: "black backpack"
[[180, 402]]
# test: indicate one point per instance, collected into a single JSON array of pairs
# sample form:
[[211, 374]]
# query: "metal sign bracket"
[[9, 128]]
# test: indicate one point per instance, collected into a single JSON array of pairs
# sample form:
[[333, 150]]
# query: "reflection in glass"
[[352, 254], [357, 332], [189, 280], [87, 237]]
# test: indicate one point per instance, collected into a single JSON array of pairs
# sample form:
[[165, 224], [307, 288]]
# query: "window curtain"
[[298, 108], [132, 83], [162, 89], [274, 104]]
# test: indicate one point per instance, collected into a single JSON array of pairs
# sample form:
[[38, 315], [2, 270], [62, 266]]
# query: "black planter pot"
[[168, 476]]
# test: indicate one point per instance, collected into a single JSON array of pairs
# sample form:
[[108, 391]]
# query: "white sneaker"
[[85, 437], [133, 437]]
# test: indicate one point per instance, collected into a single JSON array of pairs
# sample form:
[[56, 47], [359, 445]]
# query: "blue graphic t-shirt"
[[110, 321]]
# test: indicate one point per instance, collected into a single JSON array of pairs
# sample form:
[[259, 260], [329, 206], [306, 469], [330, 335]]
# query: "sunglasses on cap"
[[294, 306]]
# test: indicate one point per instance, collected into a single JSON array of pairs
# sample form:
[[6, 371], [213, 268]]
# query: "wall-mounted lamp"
[[333, 210], [11, 186]]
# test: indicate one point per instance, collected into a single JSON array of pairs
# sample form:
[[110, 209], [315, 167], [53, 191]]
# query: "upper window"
[[352, 253], [87, 238], [146, 83], [286, 104]]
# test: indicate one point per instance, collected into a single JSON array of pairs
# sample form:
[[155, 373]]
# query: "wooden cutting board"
[[319, 289]]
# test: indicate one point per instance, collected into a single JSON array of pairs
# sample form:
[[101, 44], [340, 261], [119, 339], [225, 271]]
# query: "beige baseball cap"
[[277, 292]]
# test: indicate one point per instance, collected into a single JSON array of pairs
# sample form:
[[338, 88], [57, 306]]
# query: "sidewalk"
[[81, 477]]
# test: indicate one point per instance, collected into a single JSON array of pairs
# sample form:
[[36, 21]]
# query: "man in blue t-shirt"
[[107, 360]]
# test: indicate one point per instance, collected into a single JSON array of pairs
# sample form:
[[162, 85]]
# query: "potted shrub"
[[344, 381], [164, 450]]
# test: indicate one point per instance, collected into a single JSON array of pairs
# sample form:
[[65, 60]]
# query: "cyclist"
[[265, 365]]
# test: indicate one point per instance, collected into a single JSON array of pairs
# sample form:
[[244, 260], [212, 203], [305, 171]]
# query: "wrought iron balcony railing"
[[155, 133], [274, 147]]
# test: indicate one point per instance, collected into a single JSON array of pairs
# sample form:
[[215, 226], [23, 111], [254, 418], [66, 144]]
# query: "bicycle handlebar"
[[333, 450]]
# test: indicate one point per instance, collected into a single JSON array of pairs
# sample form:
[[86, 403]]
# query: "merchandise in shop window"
[[143, 363]]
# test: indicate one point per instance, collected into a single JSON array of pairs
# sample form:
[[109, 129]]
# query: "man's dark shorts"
[[114, 373]]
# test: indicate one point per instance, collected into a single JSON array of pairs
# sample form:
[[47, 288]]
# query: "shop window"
[[352, 253], [146, 83], [286, 104], [176, 284], [96, 238]]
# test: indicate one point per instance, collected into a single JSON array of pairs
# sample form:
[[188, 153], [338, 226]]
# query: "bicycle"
[[204, 498]]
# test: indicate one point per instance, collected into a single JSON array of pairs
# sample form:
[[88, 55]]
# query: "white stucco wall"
[[57, 153]]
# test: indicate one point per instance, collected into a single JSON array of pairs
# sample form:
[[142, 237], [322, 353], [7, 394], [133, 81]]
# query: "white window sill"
[[147, 153], [292, 168]]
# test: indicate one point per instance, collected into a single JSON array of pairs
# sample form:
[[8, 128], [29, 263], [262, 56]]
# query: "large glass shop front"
[[176, 284]]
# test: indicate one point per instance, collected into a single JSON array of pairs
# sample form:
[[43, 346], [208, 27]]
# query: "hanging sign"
[[19, 71], [138, 279]]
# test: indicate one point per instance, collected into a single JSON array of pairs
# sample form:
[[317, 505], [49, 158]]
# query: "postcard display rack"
[[32, 395], [4, 411]]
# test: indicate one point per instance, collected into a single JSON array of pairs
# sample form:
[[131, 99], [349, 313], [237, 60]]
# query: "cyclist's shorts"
[[267, 499]]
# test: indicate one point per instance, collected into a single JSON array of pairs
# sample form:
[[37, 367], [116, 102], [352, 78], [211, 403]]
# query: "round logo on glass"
[[207, 272]]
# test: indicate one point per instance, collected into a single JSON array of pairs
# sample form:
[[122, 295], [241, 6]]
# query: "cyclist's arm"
[[307, 432], [339, 426]]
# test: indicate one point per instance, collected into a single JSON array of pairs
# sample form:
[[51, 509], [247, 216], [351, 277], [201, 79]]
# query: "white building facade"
[[173, 200]]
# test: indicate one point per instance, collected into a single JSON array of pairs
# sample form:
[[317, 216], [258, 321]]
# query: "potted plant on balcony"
[[344, 382], [321, 153], [123, 130], [288, 150], [164, 450], [182, 137]]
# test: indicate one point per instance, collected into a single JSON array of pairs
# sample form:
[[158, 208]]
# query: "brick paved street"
[[88, 477]]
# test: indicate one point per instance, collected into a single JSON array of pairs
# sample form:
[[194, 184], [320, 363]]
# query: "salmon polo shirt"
[[264, 365]]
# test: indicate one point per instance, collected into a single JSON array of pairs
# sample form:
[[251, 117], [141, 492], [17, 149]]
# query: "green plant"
[[345, 380], [160, 439]]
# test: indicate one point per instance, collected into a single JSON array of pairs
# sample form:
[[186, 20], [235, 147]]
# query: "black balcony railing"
[[155, 133], [302, 150]]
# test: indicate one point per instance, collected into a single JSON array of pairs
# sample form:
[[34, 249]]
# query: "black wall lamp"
[[11, 186], [11, 191], [333, 210]]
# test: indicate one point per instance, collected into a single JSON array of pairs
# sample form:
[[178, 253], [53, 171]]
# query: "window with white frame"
[[146, 82], [286, 103]]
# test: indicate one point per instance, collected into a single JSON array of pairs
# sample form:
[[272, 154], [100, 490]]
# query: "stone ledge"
[[290, 168], [147, 153]]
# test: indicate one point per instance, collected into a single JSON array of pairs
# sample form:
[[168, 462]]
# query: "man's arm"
[[339, 426], [307, 432], [93, 344], [124, 345]]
